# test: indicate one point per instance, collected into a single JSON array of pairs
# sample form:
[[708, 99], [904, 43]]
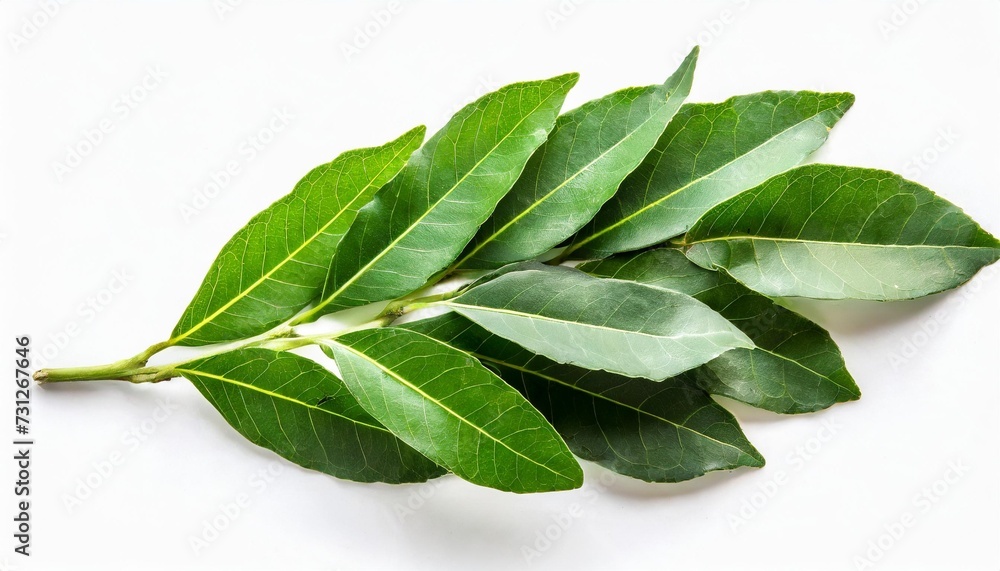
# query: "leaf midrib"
[[277, 396], [834, 243], [362, 271], [800, 365], [580, 323], [448, 410], [608, 399], [243, 294], [559, 187], [698, 180]]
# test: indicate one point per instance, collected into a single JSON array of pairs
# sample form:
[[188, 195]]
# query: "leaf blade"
[[708, 153], [307, 225], [563, 314], [454, 411], [844, 232], [589, 152], [443, 195], [666, 431], [281, 394], [795, 366]]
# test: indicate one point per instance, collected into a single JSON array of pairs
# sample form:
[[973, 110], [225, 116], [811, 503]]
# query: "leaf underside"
[[664, 431], [690, 219], [795, 366], [708, 153], [834, 232], [627, 328]]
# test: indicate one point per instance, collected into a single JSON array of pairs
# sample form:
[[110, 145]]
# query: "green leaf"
[[288, 404], [444, 403], [628, 328], [795, 367], [590, 151], [708, 153], [656, 431], [420, 222], [834, 232], [276, 264]]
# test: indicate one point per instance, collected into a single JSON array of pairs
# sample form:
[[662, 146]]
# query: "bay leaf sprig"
[[597, 275]]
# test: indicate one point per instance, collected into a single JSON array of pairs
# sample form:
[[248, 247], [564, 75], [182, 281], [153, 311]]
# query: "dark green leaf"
[[276, 264], [419, 223], [590, 151], [795, 366], [834, 232], [656, 431], [444, 403], [709, 152], [622, 327], [288, 404]]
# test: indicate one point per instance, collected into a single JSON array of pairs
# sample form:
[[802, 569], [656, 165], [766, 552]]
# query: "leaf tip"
[[754, 459], [750, 456], [847, 101], [569, 79], [685, 71], [417, 132], [571, 479]]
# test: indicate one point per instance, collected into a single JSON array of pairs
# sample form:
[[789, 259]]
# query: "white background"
[[926, 80]]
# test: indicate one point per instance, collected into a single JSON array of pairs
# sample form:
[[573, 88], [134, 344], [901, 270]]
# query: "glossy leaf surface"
[[444, 403], [587, 155], [708, 153], [656, 431], [276, 264], [288, 404], [417, 225]]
